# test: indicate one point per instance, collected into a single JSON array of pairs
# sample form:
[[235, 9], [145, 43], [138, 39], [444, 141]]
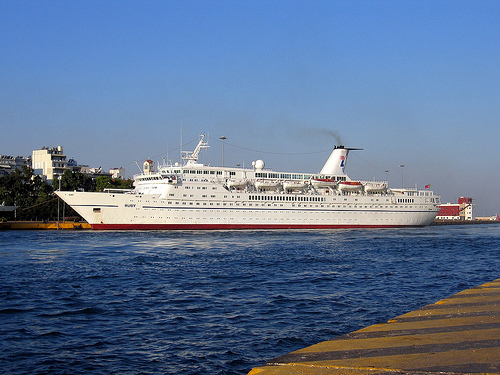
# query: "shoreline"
[[44, 225], [83, 225], [464, 222]]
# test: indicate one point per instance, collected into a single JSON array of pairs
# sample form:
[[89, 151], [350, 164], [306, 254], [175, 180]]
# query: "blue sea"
[[217, 302]]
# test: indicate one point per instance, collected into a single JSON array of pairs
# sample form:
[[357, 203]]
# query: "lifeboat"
[[267, 185], [295, 185], [323, 182], [375, 187], [350, 186], [237, 184]]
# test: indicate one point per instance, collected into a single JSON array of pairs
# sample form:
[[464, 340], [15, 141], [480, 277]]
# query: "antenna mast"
[[192, 157]]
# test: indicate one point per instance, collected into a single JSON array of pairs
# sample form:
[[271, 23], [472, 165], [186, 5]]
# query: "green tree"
[[105, 182], [71, 181], [34, 197]]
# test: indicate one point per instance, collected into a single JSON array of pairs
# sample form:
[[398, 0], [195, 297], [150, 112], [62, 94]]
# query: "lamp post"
[[402, 169], [223, 138], [58, 201]]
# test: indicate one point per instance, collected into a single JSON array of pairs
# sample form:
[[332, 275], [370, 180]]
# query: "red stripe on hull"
[[229, 226]]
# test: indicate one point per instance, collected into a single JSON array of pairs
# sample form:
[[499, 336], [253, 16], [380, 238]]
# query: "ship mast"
[[192, 157]]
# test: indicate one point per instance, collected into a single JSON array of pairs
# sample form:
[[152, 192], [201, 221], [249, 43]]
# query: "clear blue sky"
[[411, 82]]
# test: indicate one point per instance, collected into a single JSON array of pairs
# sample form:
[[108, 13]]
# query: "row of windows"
[[196, 171], [406, 200], [290, 176], [97, 210], [286, 176], [291, 198], [328, 220]]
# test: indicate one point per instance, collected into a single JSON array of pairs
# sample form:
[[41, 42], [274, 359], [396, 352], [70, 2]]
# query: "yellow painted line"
[[418, 362], [437, 323], [457, 335], [451, 309], [403, 341]]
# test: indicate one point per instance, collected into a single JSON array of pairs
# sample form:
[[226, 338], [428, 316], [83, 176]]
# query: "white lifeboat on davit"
[[375, 187], [237, 184], [323, 182], [267, 184], [350, 186], [295, 185]]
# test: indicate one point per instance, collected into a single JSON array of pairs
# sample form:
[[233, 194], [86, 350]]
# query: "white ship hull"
[[202, 198], [125, 211]]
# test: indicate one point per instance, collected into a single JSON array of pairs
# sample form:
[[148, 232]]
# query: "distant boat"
[[192, 195]]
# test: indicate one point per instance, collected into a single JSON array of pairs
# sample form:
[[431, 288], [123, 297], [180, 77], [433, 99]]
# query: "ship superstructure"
[[192, 195]]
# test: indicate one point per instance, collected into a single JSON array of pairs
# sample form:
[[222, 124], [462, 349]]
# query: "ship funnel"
[[335, 164]]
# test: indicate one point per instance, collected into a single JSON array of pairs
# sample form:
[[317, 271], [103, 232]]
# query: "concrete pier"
[[457, 335]]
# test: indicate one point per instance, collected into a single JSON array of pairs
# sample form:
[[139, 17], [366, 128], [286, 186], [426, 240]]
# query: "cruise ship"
[[191, 195]]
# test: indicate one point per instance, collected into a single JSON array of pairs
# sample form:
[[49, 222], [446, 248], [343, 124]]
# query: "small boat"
[[350, 186], [237, 184], [295, 185], [323, 182], [267, 185], [375, 187]]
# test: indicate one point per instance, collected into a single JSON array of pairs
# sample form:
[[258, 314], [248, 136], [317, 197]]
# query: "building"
[[75, 167], [10, 163], [97, 172], [463, 210], [449, 211], [466, 208], [49, 162], [117, 173]]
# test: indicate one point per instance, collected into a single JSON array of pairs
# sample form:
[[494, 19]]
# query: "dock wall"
[[37, 225], [457, 335]]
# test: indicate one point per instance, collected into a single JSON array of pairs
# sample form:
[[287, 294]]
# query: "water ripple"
[[216, 302]]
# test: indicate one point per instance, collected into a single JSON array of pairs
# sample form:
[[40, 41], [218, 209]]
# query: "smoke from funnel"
[[332, 133], [314, 132]]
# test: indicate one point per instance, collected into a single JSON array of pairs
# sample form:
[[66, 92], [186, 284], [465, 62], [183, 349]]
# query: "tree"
[[71, 181], [105, 182], [34, 197]]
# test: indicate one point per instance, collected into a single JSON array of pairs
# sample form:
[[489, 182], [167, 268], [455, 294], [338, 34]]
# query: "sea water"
[[217, 302]]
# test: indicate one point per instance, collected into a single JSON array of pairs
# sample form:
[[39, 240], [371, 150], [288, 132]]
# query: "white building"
[[10, 163], [49, 162], [118, 173]]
